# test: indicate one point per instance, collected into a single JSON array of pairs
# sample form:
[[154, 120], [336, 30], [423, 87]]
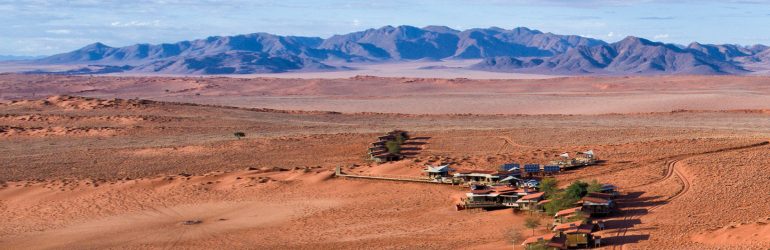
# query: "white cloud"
[[661, 36], [154, 23], [611, 34], [59, 31], [356, 22]]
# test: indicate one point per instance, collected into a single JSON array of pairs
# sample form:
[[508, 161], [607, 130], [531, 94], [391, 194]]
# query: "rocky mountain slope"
[[632, 55], [515, 50]]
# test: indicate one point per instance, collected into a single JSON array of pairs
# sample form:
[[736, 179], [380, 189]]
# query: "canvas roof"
[[509, 178], [503, 189], [568, 225], [535, 239], [525, 190], [568, 211], [582, 229], [437, 169], [594, 200], [482, 191], [534, 196], [551, 240]]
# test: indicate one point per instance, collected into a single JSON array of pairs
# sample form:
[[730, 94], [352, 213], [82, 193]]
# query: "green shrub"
[[393, 147]]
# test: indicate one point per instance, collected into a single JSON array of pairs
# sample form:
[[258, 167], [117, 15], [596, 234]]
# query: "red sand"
[[93, 173]]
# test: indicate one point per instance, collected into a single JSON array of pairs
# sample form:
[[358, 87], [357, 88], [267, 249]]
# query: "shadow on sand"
[[623, 226]]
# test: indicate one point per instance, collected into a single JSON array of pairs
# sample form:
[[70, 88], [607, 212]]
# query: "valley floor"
[[569, 95]]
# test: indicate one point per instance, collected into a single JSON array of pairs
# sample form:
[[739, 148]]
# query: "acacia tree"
[[239, 135], [532, 222], [513, 235]]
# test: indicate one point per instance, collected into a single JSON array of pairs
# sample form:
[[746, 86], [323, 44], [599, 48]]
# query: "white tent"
[[437, 169], [509, 178]]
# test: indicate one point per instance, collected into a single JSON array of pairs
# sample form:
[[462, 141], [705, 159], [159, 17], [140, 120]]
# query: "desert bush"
[[393, 147], [532, 222]]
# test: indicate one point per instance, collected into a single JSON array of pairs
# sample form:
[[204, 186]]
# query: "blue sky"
[[40, 27]]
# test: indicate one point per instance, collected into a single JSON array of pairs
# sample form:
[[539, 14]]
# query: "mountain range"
[[17, 58], [515, 50]]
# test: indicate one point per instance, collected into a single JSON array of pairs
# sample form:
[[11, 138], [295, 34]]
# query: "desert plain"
[[93, 162]]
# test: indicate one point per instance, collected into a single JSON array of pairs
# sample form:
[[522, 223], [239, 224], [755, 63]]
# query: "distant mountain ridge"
[[515, 50], [631, 55], [17, 58]]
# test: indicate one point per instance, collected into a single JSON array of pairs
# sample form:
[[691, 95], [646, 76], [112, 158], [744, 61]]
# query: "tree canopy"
[[549, 186], [576, 190], [594, 187], [563, 199]]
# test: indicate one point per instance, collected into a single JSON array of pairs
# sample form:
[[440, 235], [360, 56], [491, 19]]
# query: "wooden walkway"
[[338, 173]]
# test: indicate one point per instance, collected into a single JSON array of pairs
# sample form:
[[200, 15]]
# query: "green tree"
[[239, 135], [549, 186], [560, 201], [393, 147], [576, 190], [594, 186], [532, 222]]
